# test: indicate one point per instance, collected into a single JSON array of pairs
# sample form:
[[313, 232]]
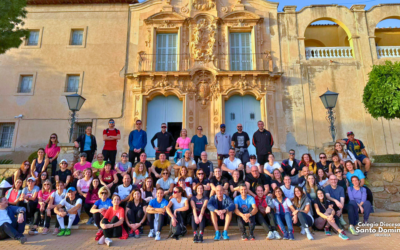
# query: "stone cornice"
[[55, 2]]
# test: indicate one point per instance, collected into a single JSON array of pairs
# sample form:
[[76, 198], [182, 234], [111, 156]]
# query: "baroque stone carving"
[[203, 40], [240, 23], [148, 38], [203, 4], [185, 9], [242, 83], [224, 9], [163, 83], [167, 24]]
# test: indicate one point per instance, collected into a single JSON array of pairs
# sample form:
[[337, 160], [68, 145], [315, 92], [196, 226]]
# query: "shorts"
[[222, 157], [361, 157]]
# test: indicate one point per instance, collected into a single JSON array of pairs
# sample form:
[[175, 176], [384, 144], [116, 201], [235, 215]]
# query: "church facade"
[[195, 63]]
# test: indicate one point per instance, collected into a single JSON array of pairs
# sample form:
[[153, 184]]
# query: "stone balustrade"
[[388, 51], [328, 52]]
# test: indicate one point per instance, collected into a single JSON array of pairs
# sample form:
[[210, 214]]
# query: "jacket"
[[227, 203], [12, 212], [223, 143], [164, 141], [137, 139], [263, 142], [81, 141], [288, 169]]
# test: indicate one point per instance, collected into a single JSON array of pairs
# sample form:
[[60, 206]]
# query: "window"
[[82, 127], [6, 134], [33, 39], [25, 84], [241, 56], [166, 55], [72, 84], [76, 37]]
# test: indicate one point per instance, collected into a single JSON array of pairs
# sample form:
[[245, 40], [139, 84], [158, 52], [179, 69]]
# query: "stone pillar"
[[68, 152], [329, 148]]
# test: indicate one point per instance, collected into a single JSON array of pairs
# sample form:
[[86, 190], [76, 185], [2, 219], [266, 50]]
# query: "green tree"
[[382, 93], [11, 14]]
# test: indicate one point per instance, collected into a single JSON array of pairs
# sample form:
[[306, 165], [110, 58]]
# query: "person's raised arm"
[[249, 191], [341, 141]]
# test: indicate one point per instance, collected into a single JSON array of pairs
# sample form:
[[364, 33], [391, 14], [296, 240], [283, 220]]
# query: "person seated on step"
[[135, 213], [218, 179], [12, 221], [158, 166], [68, 211], [198, 203], [266, 215], [55, 199], [221, 208], [283, 209], [156, 214], [231, 164], [125, 189], [178, 211], [100, 208], [335, 193], [185, 161], [303, 216], [246, 209]]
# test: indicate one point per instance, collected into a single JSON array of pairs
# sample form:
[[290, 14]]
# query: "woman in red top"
[[265, 215], [52, 151], [112, 223], [91, 197], [108, 177], [13, 194]]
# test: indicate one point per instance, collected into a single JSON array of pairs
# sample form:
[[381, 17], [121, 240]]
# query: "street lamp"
[[75, 103], [329, 99]]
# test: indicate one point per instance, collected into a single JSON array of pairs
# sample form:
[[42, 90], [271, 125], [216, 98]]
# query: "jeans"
[[304, 220], [282, 219], [242, 224], [110, 155], [8, 231], [353, 209], [134, 157], [152, 217], [114, 232], [266, 221]]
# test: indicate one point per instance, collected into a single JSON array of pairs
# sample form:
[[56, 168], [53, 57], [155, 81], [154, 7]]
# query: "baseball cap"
[[108, 162], [350, 133], [71, 189], [31, 179], [63, 160], [83, 154], [222, 125]]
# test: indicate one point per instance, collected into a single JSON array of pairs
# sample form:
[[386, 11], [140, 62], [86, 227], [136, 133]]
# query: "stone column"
[[68, 152]]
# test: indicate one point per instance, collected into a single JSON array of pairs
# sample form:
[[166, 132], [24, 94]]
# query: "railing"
[[328, 52], [388, 51], [163, 62], [242, 62]]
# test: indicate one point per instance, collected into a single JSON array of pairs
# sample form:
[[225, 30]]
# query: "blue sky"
[[301, 3]]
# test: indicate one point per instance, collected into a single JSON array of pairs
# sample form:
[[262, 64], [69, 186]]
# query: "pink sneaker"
[[45, 231], [56, 231], [137, 233]]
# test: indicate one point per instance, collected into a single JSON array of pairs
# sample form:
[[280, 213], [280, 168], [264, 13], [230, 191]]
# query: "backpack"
[[116, 130], [179, 230], [348, 141]]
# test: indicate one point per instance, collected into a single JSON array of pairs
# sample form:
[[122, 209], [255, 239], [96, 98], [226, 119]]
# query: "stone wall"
[[384, 182]]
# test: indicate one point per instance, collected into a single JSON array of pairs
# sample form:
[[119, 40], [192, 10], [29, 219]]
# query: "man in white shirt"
[[288, 189], [124, 190], [69, 210], [186, 161], [231, 164], [12, 222]]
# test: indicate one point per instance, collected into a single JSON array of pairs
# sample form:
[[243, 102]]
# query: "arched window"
[[387, 38]]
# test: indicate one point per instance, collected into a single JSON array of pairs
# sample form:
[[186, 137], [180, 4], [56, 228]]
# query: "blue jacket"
[[137, 139], [12, 212], [227, 203]]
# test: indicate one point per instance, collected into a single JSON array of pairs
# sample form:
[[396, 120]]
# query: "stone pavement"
[[84, 239]]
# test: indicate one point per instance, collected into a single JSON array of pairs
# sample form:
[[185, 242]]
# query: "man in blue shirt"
[[198, 144], [137, 142], [245, 210], [358, 149], [10, 225]]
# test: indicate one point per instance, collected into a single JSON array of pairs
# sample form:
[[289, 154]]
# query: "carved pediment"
[[160, 18], [244, 15]]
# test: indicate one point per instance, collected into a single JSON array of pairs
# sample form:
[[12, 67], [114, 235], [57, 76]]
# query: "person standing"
[[240, 142], [263, 142], [222, 142], [198, 144], [137, 142], [182, 145], [52, 151], [165, 142], [11, 226], [110, 137], [87, 144]]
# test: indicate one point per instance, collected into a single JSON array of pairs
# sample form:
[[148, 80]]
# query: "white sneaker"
[[309, 235], [108, 241], [158, 236], [151, 234], [277, 236], [270, 236], [101, 241], [303, 232]]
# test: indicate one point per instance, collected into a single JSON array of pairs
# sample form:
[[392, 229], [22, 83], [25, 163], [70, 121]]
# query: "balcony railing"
[[388, 51], [328, 52], [242, 62], [163, 62]]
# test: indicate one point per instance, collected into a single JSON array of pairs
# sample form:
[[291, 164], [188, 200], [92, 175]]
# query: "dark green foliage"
[[386, 158]]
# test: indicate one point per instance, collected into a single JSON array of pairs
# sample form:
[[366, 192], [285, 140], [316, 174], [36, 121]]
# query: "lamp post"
[[75, 103], [329, 99]]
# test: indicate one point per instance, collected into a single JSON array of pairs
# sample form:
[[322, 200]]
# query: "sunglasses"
[[165, 173], [83, 156], [111, 122], [337, 172], [124, 156], [103, 193], [27, 164], [65, 163], [322, 157], [53, 137], [175, 192], [239, 126], [139, 123], [164, 127]]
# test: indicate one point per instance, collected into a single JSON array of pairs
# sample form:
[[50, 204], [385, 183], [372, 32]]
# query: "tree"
[[382, 93], [11, 14]]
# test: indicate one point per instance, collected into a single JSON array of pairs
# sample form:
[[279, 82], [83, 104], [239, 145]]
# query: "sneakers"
[[45, 231], [343, 237], [101, 240], [309, 236], [200, 239], [131, 233], [56, 230], [303, 232], [33, 231], [152, 233], [291, 236], [99, 234], [353, 230], [244, 237], [225, 235], [108, 241], [90, 221], [217, 235], [67, 232], [285, 235], [342, 221], [158, 237], [137, 233], [270, 235], [251, 237], [141, 230], [327, 232], [195, 239], [61, 233], [277, 236], [22, 240]]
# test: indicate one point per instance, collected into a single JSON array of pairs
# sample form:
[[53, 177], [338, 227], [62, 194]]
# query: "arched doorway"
[[244, 110], [163, 109]]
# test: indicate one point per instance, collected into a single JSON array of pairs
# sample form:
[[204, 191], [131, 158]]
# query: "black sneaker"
[[22, 240], [195, 239], [141, 230], [244, 237], [251, 237], [200, 238]]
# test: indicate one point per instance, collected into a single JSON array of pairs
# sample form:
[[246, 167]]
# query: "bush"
[[3, 162], [32, 156], [386, 158]]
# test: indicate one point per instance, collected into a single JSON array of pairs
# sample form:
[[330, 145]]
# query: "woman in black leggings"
[[112, 223], [135, 213], [199, 206], [266, 215]]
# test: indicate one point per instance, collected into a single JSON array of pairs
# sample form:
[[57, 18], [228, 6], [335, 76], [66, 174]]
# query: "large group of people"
[[121, 196]]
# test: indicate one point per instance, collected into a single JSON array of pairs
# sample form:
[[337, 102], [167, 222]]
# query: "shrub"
[[2, 162], [386, 158], [32, 156]]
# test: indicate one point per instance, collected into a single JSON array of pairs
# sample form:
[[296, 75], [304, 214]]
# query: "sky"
[[348, 3]]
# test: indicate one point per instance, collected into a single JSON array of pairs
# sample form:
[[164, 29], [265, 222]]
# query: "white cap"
[[63, 161]]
